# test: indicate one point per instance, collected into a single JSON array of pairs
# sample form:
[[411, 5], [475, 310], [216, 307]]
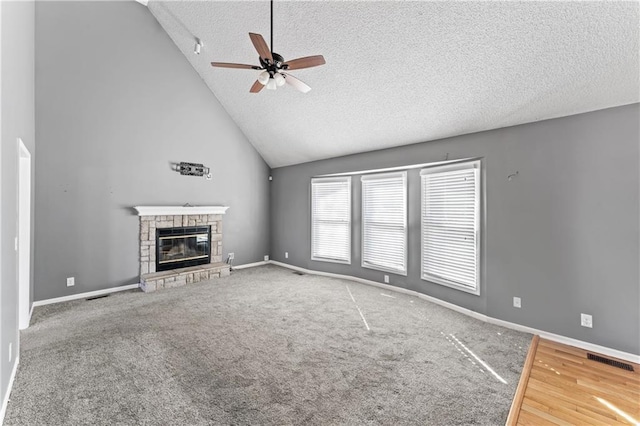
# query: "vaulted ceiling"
[[405, 72]]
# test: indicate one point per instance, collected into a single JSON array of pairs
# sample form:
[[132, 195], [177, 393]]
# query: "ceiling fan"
[[273, 66]]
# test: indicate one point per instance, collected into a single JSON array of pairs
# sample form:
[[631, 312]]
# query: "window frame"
[[346, 179], [384, 175], [476, 165]]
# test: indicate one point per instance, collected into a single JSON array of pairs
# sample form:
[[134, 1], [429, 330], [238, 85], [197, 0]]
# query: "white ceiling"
[[404, 72]]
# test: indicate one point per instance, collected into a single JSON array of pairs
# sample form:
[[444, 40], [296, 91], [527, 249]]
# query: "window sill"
[[383, 269], [440, 281], [323, 259]]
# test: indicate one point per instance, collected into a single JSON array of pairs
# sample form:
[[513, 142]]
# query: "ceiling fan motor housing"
[[272, 67]]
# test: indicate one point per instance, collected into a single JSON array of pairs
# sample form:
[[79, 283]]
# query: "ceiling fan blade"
[[299, 85], [257, 86], [261, 46], [306, 62], [230, 65]]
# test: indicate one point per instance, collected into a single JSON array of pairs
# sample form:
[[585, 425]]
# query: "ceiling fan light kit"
[[273, 65], [264, 77], [279, 79]]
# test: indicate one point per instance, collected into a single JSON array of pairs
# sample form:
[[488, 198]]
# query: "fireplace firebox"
[[182, 247]]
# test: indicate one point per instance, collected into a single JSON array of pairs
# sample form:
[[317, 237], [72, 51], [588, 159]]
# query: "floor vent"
[[98, 297], [610, 362], [299, 273]]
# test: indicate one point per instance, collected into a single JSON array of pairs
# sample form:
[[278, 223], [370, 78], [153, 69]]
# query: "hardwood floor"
[[561, 386]]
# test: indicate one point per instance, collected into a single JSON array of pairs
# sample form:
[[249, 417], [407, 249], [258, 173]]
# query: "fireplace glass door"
[[182, 247]]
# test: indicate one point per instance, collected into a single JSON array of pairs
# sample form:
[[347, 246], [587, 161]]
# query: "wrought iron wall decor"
[[193, 169]]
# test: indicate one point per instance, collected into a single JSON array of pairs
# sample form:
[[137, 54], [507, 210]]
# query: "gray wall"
[[563, 235], [16, 121], [116, 103]]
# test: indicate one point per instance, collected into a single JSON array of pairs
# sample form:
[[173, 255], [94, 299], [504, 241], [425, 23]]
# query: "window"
[[384, 222], [451, 225], [331, 219]]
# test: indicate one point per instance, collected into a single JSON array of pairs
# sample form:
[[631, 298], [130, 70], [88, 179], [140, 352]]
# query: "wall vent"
[[97, 297], [610, 362]]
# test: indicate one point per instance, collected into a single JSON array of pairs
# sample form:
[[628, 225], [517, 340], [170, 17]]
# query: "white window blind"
[[384, 222], [450, 225], [331, 219]]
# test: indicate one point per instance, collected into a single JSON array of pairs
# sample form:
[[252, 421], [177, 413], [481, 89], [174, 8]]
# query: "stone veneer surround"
[[149, 224], [183, 276]]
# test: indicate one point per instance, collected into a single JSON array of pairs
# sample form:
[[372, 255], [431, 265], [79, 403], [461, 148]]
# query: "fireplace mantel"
[[179, 210]]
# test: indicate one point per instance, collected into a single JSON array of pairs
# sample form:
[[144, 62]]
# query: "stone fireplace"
[[180, 245]]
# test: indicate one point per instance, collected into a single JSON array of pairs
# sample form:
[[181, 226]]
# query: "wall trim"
[[587, 346], [250, 265], [85, 295], [180, 210], [5, 401], [518, 327]]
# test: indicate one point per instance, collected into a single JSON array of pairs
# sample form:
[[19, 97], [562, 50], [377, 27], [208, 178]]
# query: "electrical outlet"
[[266, 258], [15, 244], [71, 281], [231, 256], [586, 320], [386, 279], [10, 351], [517, 302], [286, 254]]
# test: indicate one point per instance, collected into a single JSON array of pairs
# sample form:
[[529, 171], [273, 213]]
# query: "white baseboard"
[[543, 334], [85, 295], [250, 265], [388, 287], [592, 347], [5, 400]]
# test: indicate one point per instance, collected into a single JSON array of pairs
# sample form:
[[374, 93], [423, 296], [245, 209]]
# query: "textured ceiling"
[[404, 72]]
